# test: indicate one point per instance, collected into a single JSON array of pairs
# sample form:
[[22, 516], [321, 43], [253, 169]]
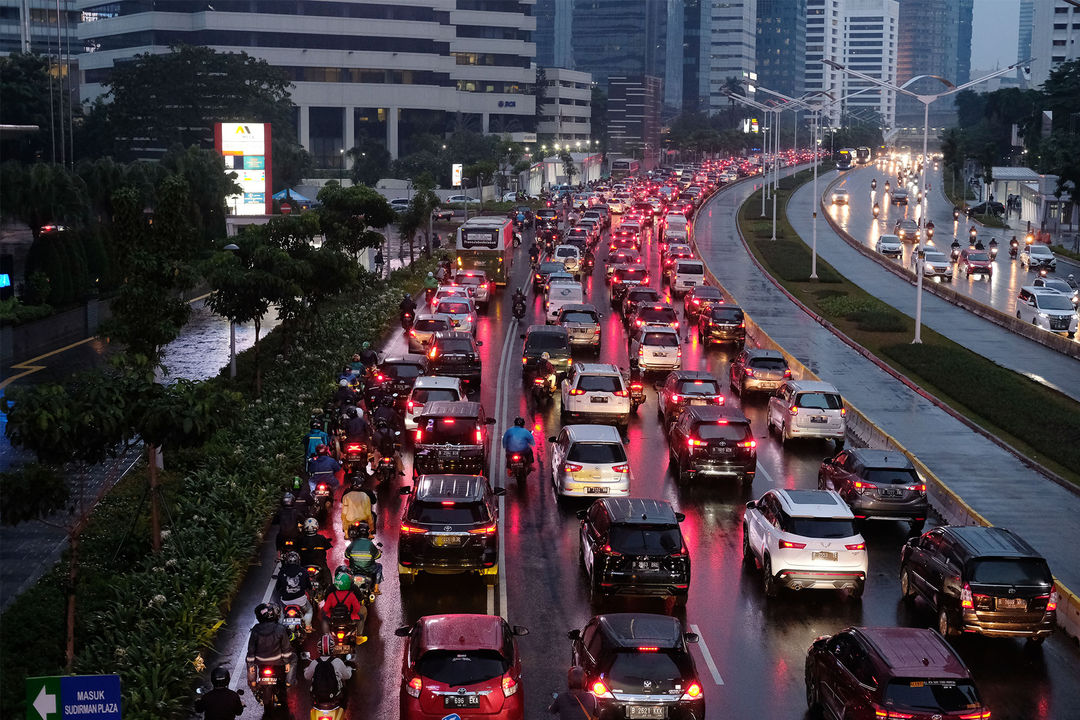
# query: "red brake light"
[[419, 435], [674, 397], [794, 409], [863, 485], [747, 444], [486, 530], [787, 373], [599, 689], [509, 686], [694, 442], [352, 447], [479, 437], [966, 600], [609, 551], [648, 648], [572, 467], [415, 686], [408, 529], [619, 393], [321, 487], [1051, 604], [577, 391], [693, 691], [621, 468], [515, 457], [921, 487], [979, 715], [792, 545], [268, 671], [880, 712], [856, 546]]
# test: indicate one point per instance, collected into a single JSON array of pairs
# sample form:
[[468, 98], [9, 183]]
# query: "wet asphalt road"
[[751, 658]]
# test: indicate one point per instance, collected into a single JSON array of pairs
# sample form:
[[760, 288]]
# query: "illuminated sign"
[[245, 148], [456, 172]]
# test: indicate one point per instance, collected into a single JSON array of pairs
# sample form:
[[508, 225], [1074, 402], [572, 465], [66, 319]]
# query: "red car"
[[461, 665]]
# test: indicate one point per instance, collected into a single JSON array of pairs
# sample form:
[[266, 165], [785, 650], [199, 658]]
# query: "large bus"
[[487, 243], [624, 167], [845, 159], [862, 155]]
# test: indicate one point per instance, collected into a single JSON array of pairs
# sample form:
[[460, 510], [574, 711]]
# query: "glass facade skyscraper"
[[781, 45]]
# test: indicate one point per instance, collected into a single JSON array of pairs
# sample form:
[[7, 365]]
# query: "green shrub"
[[14, 312], [30, 492], [790, 260], [869, 314]]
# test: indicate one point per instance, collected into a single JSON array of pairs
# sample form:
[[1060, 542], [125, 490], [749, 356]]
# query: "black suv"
[[633, 546], [700, 299], [684, 388], [638, 665], [547, 218], [712, 440], [395, 375], [449, 525], [877, 484], [451, 437], [539, 339], [722, 324], [455, 354], [980, 579]]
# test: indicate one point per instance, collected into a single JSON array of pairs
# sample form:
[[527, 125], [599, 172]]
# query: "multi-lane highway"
[[752, 651]]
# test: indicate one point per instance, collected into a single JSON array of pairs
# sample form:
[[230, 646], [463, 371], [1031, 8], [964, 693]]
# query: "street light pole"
[[232, 248]]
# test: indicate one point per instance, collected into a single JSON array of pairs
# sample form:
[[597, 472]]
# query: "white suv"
[[656, 348], [807, 408], [589, 461], [1046, 308], [804, 539], [595, 393], [427, 389], [476, 282], [687, 275]]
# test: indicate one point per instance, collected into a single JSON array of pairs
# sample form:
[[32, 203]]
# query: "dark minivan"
[[451, 437], [722, 324], [713, 440]]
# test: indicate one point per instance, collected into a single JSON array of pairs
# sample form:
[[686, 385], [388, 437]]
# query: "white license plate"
[[595, 490], [598, 399], [446, 540], [1012, 604], [818, 419], [647, 565], [646, 712], [825, 556]]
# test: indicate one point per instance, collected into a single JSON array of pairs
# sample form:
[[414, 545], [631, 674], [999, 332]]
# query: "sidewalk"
[[990, 479]]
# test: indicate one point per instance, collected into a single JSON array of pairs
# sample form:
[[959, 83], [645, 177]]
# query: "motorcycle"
[[993, 251], [353, 457], [321, 502], [873, 184], [270, 686], [519, 308], [877, 209], [330, 707], [542, 391], [429, 295], [292, 618], [407, 317], [973, 233], [1012, 252], [637, 394], [1043, 270], [317, 576], [955, 214], [517, 466], [956, 253]]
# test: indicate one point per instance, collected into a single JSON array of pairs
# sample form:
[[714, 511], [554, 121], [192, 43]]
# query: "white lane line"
[[762, 472], [707, 655]]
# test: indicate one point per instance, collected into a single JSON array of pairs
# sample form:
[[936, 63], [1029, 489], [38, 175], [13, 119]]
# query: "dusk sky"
[[993, 37]]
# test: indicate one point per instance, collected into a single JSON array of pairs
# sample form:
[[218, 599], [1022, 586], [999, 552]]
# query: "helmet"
[[326, 645], [350, 411], [343, 581], [290, 558], [322, 449], [546, 356], [343, 382], [387, 401], [297, 483], [430, 274], [311, 526], [316, 424], [356, 357], [365, 345], [288, 500], [405, 296], [359, 530], [219, 677], [519, 422], [267, 612], [575, 678]]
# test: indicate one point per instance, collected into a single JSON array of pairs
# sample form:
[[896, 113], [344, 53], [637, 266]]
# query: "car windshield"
[[566, 252], [643, 295], [1010, 571], [631, 670], [731, 432], [403, 371], [599, 383], [632, 273], [766, 363], [819, 401], [426, 395], [471, 279], [821, 527], [661, 339], [427, 325], [946, 695], [454, 346], [635, 539], [979, 257], [690, 269], [726, 314], [448, 512], [454, 308], [549, 267], [1047, 301], [935, 257], [890, 476], [450, 431], [546, 341], [1040, 250], [597, 452], [657, 314], [456, 669], [699, 387], [579, 316]]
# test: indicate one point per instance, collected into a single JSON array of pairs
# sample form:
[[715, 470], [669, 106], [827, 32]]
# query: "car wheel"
[[813, 705], [1017, 314], [684, 473], [907, 592], [857, 591], [747, 554], [945, 625], [405, 580], [769, 580]]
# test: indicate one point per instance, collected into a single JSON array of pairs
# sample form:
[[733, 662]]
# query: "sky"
[[993, 34]]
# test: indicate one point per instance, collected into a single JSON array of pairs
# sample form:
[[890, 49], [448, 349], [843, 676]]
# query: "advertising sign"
[[246, 150], [485, 239], [456, 173]]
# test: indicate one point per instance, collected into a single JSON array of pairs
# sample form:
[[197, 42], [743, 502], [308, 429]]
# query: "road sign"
[[87, 697]]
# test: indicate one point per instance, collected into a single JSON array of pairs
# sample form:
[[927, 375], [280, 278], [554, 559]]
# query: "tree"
[[731, 86], [25, 100], [417, 216], [370, 162], [569, 168], [208, 185], [42, 194], [346, 214], [291, 163], [482, 172]]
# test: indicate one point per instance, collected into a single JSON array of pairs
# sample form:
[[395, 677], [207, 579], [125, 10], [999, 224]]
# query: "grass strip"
[[1037, 421]]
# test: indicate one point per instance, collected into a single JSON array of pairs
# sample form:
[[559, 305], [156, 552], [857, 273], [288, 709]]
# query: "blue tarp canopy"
[[292, 195]]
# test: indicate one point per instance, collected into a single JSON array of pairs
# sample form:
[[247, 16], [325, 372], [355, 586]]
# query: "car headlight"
[[1044, 316]]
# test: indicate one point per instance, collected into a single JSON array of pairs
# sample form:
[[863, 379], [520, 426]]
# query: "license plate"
[[825, 556], [818, 419], [290, 622], [595, 490], [890, 493], [461, 701], [598, 399], [699, 401], [721, 451], [448, 453], [268, 679], [1012, 604], [646, 712], [647, 565], [446, 540]]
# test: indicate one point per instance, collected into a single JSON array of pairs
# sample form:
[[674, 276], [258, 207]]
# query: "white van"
[[688, 275], [570, 256], [563, 293], [676, 228]]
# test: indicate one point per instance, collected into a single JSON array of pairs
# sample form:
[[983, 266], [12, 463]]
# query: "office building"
[[31, 26], [619, 38], [565, 99], [869, 47], [1056, 29], [934, 39], [553, 33], [732, 41], [1023, 30], [781, 45], [359, 69], [634, 116], [824, 22], [694, 95]]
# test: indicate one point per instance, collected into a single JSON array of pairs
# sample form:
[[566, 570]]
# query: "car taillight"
[[880, 712], [794, 409], [863, 486], [978, 715], [408, 529], [609, 551], [321, 487], [479, 437], [619, 393], [920, 488], [509, 686], [486, 530], [788, 545], [599, 689], [413, 333], [434, 353], [380, 377], [415, 686], [843, 412], [577, 391], [268, 671], [966, 600], [515, 458], [692, 692], [352, 447], [572, 467], [694, 442], [621, 468], [1051, 604], [419, 436], [787, 373], [747, 444], [340, 635], [856, 546]]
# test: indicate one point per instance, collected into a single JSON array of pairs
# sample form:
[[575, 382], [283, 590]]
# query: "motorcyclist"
[[407, 304], [312, 548], [520, 219], [430, 283], [518, 303], [368, 357], [534, 253], [328, 674], [590, 257], [955, 248], [342, 596], [993, 246], [323, 468], [289, 519], [385, 422], [356, 427], [344, 395], [979, 244], [268, 644], [545, 369], [293, 585], [356, 508], [518, 439], [316, 436], [576, 703], [362, 555], [221, 703]]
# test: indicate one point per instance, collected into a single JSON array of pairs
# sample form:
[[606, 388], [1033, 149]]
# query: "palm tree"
[[732, 86]]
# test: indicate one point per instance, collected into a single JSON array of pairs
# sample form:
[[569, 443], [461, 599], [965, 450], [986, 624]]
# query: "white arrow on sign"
[[45, 704]]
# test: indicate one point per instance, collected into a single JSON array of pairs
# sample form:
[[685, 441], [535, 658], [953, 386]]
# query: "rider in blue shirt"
[[323, 468], [316, 437], [519, 440]]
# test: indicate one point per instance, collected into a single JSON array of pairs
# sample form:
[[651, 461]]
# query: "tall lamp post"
[[764, 149], [232, 248]]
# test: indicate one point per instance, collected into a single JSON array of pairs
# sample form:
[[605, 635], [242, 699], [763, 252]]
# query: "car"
[[451, 437], [934, 264], [430, 388], [599, 213], [456, 354], [700, 299], [449, 526], [622, 256], [889, 246], [712, 440], [623, 238], [877, 485], [624, 277], [1047, 309], [458, 199], [675, 228], [424, 327], [807, 409], [559, 296], [983, 580], [1037, 256], [579, 236], [907, 230], [544, 270], [656, 348], [654, 315], [758, 369], [840, 197], [633, 546], [547, 217], [582, 322], [672, 254], [686, 275], [475, 281], [975, 262], [804, 539], [551, 339], [395, 376], [464, 665], [558, 278], [1062, 286], [635, 296], [595, 393], [448, 291], [634, 226], [571, 257], [594, 226], [462, 312], [442, 214], [638, 665], [685, 388], [873, 673], [400, 204], [722, 324], [899, 196], [985, 208], [589, 461]]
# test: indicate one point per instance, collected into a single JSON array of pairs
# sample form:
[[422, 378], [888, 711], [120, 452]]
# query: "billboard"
[[455, 174], [246, 150]]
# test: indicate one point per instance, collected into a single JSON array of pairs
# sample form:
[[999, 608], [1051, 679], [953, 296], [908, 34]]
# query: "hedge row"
[[149, 617]]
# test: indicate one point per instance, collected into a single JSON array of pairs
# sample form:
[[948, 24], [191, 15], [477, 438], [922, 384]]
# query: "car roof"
[[453, 335], [812, 386], [455, 299], [635, 628], [548, 329], [453, 408], [655, 329], [692, 375], [434, 316], [713, 413], [407, 360], [872, 457], [436, 381], [449, 487], [1038, 290], [630, 510], [593, 433], [813, 503], [764, 353], [583, 368], [995, 541], [579, 307], [708, 290], [460, 632], [914, 652], [889, 236]]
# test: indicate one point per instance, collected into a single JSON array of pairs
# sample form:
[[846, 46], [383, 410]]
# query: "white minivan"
[[1046, 308], [560, 294], [807, 409], [676, 228], [688, 274]]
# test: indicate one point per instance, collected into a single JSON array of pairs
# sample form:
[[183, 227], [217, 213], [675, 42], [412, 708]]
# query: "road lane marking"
[[707, 655], [762, 472]]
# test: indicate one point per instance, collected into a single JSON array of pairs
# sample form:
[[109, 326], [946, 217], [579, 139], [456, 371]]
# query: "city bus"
[[862, 155], [845, 158], [487, 243], [624, 167]]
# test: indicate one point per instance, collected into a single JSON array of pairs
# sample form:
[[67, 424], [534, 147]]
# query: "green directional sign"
[[86, 697], [43, 698]]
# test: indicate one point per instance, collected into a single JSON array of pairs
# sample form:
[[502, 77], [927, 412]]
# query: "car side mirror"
[[574, 634], [680, 516], [498, 491], [520, 630], [690, 637], [404, 631], [405, 490], [582, 513], [751, 505], [490, 421]]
